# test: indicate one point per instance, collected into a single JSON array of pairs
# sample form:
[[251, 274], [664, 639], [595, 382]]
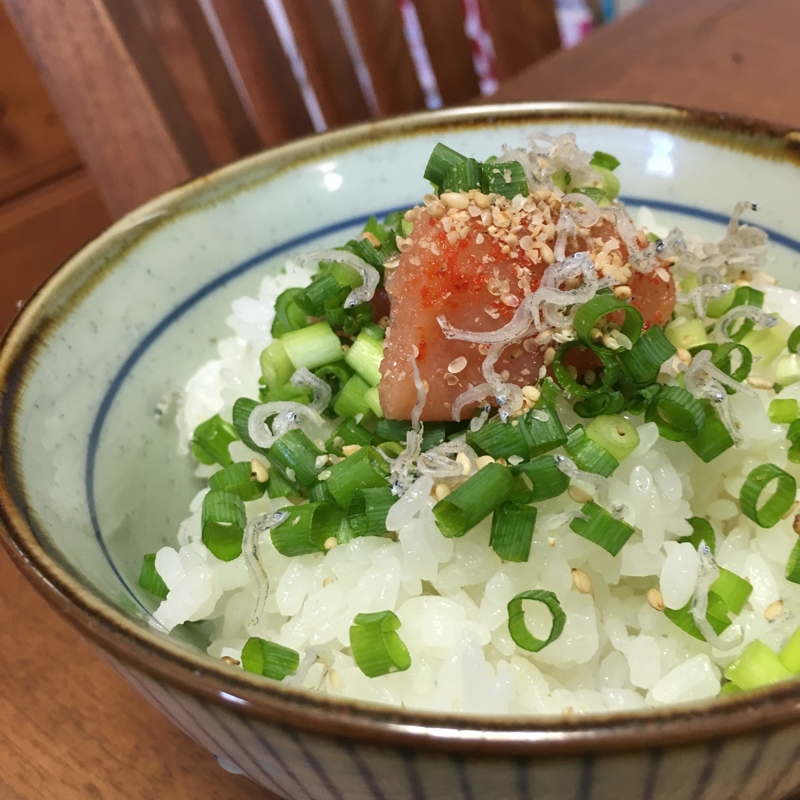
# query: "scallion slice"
[[548, 394], [512, 531], [745, 296], [351, 400], [717, 616], [587, 454], [601, 528], [589, 315], [733, 590], [348, 432], [678, 414], [615, 434], [211, 439], [701, 532], [793, 564], [336, 376], [441, 161], [516, 620], [783, 411], [609, 373], [758, 665], [547, 479], [790, 653], [640, 398], [604, 160], [269, 659], [462, 177], [768, 513], [713, 438], [288, 317], [500, 439], [368, 510], [295, 455], [278, 486], [793, 343], [506, 178], [222, 522], [643, 361], [313, 346], [365, 469], [600, 403], [240, 479], [686, 333], [474, 500], [365, 356], [242, 409], [376, 646], [276, 366], [150, 580], [543, 430], [306, 528]]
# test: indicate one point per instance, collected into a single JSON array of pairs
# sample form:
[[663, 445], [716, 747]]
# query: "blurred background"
[[51, 203]]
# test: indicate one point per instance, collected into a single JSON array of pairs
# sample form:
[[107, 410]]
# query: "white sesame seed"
[[578, 495], [773, 610], [581, 581], [457, 364], [549, 355], [531, 393], [510, 300], [371, 238], [466, 464], [258, 472], [483, 461], [350, 449], [759, 383], [684, 356], [441, 490], [330, 543], [327, 582], [655, 599]]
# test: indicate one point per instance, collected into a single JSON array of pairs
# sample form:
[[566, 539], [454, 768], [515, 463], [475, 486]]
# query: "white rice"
[[616, 651]]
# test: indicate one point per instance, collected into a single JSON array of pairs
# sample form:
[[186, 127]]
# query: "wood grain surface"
[[72, 729]]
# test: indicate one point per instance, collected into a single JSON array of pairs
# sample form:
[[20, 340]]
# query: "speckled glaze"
[[90, 479]]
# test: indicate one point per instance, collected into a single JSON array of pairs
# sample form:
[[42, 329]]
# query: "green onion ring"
[[610, 364], [781, 501], [600, 306], [678, 414], [793, 342], [516, 620]]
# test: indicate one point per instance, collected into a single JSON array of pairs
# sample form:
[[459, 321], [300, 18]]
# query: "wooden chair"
[[154, 92]]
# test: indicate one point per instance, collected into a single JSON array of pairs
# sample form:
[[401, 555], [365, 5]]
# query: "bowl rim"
[[166, 660]]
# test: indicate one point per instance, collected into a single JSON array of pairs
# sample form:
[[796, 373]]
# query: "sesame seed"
[[441, 490], [327, 582], [759, 383], [581, 581], [371, 238], [330, 543], [551, 542], [509, 300], [457, 364], [258, 472], [773, 610], [483, 461], [466, 464], [230, 660], [549, 355], [531, 393], [323, 476], [578, 495], [334, 678], [684, 356], [663, 274], [350, 449], [655, 599]]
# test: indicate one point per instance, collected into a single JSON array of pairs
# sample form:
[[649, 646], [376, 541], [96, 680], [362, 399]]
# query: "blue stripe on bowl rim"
[[273, 252]]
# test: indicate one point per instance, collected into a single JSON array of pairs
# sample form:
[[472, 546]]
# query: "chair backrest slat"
[[450, 51], [522, 32], [121, 134], [156, 91]]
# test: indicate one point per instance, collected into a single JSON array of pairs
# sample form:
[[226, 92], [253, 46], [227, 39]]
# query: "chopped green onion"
[[729, 688], [593, 193], [306, 528], [793, 434], [222, 522], [686, 333], [242, 409], [391, 449], [313, 346], [718, 306], [783, 411], [365, 356], [366, 251], [793, 564], [240, 479], [276, 366], [288, 393], [211, 439], [733, 590], [351, 400], [442, 160], [604, 160], [377, 648], [589, 315], [543, 429], [336, 376], [462, 177], [793, 342], [288, 317], [678, 414], [269, 659], [562, 373], [643, 361], [512, 531], [506, 178], [600, 403], [348, 432], [318, 492], [500, 439], [474, 500], [547, 479], [587, 454], [701, 532], [368, 510], [745, 296], [615, 434], [787, 370], [373, 399], [365, 469], [713, 438], [518, 628], [641, 398], [312, 300], [770, 512], [601, 528], [521, 489], [297, 457], [723, 359], [278, 486], [790, 654], [549, 392], [758, 665], [767, 344], [395, 430], [610, 185], [562, 179], [150, 580]]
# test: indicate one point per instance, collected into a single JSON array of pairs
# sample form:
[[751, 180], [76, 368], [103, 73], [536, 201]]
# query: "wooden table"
[[72, 729]]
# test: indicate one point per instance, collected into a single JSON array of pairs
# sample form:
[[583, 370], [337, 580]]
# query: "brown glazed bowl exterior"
[[301, 745]]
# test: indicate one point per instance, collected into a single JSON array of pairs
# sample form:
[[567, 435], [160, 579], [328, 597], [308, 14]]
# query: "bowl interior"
[[93, 471]]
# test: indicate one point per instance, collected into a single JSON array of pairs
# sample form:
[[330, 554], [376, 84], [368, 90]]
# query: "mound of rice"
[[618, 650]]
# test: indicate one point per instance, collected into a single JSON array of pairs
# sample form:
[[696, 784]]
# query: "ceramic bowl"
[[90, 479]]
